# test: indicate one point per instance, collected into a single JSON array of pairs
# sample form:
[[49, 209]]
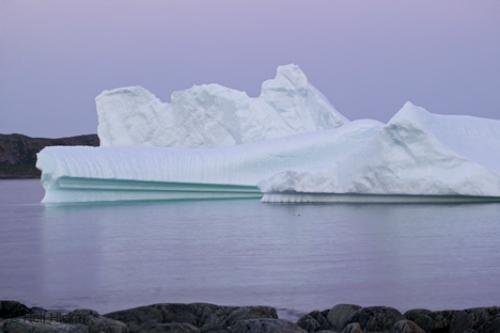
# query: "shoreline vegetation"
[[18, 152], [211, 318]]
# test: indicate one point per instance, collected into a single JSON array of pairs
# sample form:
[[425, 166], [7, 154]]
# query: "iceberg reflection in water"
[[293, 198]]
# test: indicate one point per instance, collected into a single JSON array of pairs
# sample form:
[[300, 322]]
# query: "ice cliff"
[[287, 145], [212, 115]]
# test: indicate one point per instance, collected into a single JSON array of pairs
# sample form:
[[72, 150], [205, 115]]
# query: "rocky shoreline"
[[18, 152], [16, 317]]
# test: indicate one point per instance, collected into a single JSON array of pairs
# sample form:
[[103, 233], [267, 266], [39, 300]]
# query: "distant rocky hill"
[[18, 152]]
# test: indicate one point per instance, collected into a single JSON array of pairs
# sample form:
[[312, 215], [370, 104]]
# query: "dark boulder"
[[265, 325], [492, 326], [422, 317], [352, 328], [406, 326], [340, 314], [376, 318], [249, 312], [20, 325], [221, 317], [481, 318], [442, 320], [169, 327], [207, 317], [95, 322], [460, 322], [454, 321], [156, 313], [315, 321]]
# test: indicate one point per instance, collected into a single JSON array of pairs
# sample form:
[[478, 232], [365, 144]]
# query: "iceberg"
[[211, 115], [416, 157], [286, 145]]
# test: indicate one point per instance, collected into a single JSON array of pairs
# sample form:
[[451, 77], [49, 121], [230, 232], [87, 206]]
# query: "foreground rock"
[[265, 325], [95, 322], [210, 318], [470, 320], [369, 319], [339, 315], [376, 318], [19, 325], [17, 318], [347, 318], [203, 317], [406, 326]]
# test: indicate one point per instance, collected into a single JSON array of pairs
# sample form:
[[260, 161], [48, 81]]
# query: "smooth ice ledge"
[[75, 189], [76, 174]]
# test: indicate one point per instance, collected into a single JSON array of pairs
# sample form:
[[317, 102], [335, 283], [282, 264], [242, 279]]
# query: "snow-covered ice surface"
[[289, 145], [212, 115]]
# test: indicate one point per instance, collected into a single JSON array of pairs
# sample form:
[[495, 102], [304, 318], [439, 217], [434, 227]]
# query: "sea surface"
[[294, 257]]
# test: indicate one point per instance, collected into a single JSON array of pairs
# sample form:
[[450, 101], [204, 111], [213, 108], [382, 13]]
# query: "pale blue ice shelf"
[[75, 189]]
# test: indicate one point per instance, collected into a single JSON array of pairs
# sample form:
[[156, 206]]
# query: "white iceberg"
[[212, 115], [287, 145], [418, 156]]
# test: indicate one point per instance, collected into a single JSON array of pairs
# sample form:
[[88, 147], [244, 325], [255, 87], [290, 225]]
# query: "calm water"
[[298, 257]]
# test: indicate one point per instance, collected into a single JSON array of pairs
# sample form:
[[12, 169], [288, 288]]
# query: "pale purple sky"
[[367, 56]]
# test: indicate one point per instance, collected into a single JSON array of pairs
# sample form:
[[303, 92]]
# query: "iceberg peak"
[[410, 109], [288, 76], [131, 91], [409, 113], [213, 115]]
